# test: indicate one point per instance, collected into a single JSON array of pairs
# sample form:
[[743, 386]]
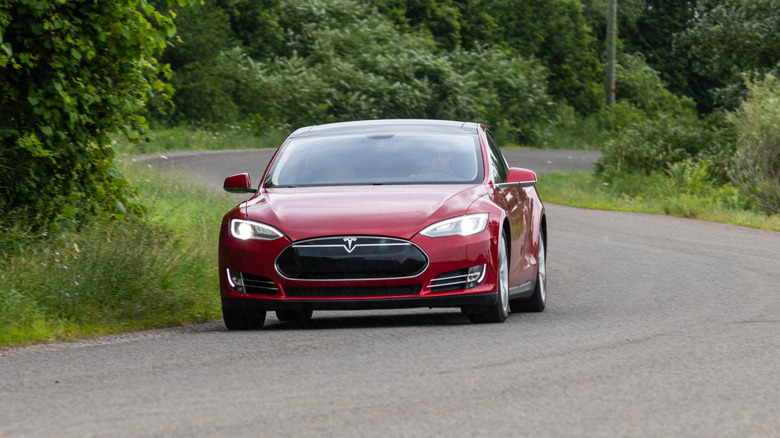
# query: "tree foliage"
[[72, 73], [732, 38], [653, 34], [344, 61], [553, 31], [202, 91], [556, 33]]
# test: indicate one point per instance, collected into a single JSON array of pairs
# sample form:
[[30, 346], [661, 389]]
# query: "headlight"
[[244, 229], [462, 225]]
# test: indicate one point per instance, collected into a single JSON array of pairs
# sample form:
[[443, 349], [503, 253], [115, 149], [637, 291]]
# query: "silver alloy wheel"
[[499, 311], [538, 299], [503, 278], [541, 278]]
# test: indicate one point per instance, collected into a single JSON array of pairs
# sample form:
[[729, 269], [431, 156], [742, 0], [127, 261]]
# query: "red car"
[[384, 214]]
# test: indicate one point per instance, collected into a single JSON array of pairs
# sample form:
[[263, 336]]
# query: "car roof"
[[388, 126]]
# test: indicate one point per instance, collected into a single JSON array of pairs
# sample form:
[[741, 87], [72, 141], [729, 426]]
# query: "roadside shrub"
[[655, 130], [659, 144], [756, 165]]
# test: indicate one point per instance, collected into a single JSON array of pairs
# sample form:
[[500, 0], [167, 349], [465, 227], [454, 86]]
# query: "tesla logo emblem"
[[349, 244]]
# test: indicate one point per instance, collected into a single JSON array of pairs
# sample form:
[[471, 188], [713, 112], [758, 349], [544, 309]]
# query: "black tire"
[[499, 311], [239, 319], [294, 315], [538, 301]]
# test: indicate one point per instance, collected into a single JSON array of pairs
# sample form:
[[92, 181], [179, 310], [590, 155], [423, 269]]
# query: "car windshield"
[[404, 158]]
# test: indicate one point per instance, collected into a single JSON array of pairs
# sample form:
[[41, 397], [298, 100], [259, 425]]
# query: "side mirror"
[[518, 177], [238, 184]]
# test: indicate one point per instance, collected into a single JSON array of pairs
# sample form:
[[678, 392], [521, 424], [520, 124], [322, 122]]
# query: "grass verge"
[[116, 276], [193, 139], [656, 194]]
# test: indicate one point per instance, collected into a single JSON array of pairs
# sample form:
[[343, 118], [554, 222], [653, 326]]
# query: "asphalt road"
[[655, 327], [211, 167]]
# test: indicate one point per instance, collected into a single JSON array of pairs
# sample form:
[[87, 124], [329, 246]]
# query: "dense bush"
[[510, 93], [756, 166], [348, 63], [551, 31], [655, 130], [202, 93], [662, 143]]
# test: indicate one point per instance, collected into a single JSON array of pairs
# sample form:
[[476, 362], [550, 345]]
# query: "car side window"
[[498, 164]]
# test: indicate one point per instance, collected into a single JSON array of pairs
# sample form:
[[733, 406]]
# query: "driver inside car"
[[442, 160]]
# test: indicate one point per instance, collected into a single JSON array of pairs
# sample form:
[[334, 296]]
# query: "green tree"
[[255, 24], [350, 63], [732, 38], [653, 36], [440, 20], [651, 28], [556, 33], [202, 91], [71, 74], [553, 31]]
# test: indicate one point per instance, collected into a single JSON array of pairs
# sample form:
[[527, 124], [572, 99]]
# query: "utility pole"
[[609, 86]]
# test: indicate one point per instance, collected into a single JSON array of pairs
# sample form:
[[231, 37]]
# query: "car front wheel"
[[499, 311], [537, 301]]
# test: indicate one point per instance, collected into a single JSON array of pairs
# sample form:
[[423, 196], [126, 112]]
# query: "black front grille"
[[331, 292], [351, 257]]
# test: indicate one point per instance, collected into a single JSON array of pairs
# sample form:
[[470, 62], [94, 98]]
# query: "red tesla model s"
[[384, 214]]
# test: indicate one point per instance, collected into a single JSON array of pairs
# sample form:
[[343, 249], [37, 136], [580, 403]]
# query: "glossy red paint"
[[394, 211], [238, 184], [308, 212]]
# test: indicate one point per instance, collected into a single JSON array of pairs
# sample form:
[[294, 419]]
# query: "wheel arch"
[[506, 233]]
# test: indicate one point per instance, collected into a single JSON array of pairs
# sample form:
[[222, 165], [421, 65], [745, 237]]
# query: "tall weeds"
[[117, 275]]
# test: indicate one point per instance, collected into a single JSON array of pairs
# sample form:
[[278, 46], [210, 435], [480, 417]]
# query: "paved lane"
[[211, 167]]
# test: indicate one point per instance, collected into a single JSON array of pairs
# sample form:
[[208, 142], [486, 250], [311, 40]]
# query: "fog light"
[[236, 280], [476, 276]]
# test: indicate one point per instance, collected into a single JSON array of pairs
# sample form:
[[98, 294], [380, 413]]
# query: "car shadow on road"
[[323, 321]]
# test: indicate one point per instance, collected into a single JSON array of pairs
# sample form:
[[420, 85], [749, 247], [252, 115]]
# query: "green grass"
[[656, 194], [116, 276], [191, 139]]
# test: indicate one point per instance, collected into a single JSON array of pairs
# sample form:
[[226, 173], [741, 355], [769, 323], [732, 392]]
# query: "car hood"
[[398, 211]]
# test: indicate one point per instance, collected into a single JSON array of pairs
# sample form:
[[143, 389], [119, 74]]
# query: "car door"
[[519, 211]]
